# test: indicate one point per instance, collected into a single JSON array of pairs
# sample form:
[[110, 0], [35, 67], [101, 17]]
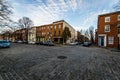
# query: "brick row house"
[[8, 35], [54, 31], [43, 33], [20, 34], [108, 32]]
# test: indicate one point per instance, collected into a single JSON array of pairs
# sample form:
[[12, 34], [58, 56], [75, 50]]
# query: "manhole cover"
[[62, 57]]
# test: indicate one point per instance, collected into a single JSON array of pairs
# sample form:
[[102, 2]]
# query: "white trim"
[[118, 17], [107, 19], [99, 39], [107, 26]]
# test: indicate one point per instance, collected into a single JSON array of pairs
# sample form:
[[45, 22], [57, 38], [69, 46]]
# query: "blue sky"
[[81, 14]]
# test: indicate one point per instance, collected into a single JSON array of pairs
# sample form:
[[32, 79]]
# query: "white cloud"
[[47, 11], [91, 19], [44, 12]]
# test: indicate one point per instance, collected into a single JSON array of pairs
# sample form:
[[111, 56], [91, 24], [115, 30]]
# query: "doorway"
[[102, 41]]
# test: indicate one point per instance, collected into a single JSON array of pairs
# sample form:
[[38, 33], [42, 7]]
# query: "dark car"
[[39, 43], [86, 44], [48, 43], [4, 44]]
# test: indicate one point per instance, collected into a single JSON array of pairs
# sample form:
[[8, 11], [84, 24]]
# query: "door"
[[102, 41]]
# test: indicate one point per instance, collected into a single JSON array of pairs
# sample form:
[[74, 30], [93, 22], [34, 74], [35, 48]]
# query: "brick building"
[[8, 35], [109, 29], [54, 32], [21, 34], [1, 36]]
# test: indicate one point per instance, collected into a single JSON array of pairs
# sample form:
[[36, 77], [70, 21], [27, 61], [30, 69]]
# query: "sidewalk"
[[114, 49]]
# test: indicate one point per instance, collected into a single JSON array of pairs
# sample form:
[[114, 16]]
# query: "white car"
[[31, 42], [19, 41], [72, 44]]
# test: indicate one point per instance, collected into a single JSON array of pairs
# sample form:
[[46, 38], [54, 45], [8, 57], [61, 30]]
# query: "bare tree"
[[25, 23], [87, 33], [91, 32], [5, 12]]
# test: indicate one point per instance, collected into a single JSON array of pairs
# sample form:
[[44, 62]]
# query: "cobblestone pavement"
[[35, 62]]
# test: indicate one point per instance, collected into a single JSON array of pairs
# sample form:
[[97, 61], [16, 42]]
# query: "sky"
[[81, 14]]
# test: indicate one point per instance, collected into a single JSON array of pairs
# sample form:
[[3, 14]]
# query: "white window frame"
[[119, 17], [107, 19], [110, 39], [59, 26], [55, 27], [108, 28], [51, 27]]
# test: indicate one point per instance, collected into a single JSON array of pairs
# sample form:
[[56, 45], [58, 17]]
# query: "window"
[[51, 27], [118, 30], [59, 26], [48, 33], [107, 19], [59, 33], [118, 17], [54, 33], [42, 28], [54, 27], [110, 40], [47, 27], [107, 28]]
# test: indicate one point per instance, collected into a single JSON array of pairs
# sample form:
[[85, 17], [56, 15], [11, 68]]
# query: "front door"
[[102, 41]]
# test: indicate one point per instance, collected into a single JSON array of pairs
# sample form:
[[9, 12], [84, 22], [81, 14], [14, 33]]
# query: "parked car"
[[48, 43], [86, 44], [74, 43], [4, 44], [19, 41], [24, 41], [39, 43], [31, 42], [14, 41]]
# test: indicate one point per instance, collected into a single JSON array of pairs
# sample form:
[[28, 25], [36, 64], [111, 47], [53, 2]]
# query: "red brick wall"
[[1, 37], [46, 29], [113, 27]]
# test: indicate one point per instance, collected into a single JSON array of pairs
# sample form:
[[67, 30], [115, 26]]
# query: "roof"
[[51, 23], [59, 21], [117, 12]]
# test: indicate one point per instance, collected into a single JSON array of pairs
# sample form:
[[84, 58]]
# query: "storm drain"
[[62, 57]]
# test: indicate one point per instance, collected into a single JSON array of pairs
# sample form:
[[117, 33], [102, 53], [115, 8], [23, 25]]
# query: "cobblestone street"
[[35, 62]]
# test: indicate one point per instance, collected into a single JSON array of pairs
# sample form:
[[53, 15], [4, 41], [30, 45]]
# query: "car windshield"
[[4, 42]]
